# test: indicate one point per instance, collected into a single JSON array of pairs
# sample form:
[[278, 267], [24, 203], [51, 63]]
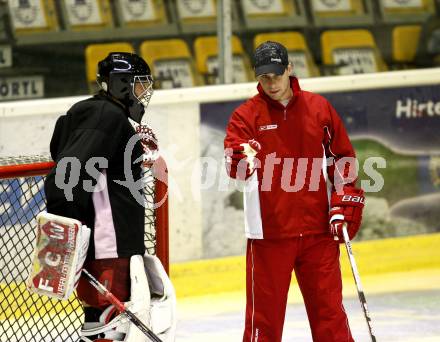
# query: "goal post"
[[29, 317]]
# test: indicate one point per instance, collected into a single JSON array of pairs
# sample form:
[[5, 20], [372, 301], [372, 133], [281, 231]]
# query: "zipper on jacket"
[[285, 110]]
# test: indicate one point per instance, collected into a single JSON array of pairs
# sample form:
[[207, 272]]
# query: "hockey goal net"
[[26, 317]]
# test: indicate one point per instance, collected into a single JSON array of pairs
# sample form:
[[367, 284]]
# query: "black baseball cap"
[[270, 57]]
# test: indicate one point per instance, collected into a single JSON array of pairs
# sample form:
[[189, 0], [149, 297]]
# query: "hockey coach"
[[293, 152]]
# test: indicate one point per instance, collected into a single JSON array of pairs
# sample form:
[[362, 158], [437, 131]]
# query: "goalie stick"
[[120, 307], [357, 281]]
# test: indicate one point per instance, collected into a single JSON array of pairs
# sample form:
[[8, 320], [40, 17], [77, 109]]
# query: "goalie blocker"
[[59, 253]]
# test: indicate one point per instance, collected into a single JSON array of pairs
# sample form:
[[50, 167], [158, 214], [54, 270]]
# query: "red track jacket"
[[288, 195]]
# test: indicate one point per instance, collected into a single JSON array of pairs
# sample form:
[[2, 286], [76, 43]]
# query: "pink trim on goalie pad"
[[104, 232]]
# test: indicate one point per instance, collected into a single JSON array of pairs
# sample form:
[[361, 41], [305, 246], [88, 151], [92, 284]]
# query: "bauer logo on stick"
[[60, 250]]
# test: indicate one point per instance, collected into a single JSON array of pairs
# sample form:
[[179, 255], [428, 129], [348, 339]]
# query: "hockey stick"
[[357, 281], [120, 306]]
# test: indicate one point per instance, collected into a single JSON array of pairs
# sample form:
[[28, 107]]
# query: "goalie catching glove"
[[149, 144], [346, 208], [241, 159], [59, 252]]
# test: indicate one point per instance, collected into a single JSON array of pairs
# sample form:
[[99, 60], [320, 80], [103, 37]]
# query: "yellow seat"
[[352, 51], [196, 12], [97, 52], [411, 7], [87, 15], [141, 13], [299, 53], [428, 51], [393, 9], [341, 13], [199, 17], [275, 14], [206, 53], [35, 17], [171, 63], [277, 8], [405, 42]]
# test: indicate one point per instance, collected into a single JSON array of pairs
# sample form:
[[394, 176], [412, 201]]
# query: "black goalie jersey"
[[89, 144]]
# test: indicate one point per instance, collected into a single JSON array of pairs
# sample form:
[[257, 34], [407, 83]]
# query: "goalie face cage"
[[30, 317]]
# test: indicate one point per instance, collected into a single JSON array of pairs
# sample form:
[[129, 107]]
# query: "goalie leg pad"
[[107, 324], [119, 328], [113, 274], [163, 299], [139, 300]]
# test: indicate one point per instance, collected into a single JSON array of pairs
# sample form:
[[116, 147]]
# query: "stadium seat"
[[274, 14], [405, 42], [97, 52], [406, 12], [351, 52], [136, 14], [31, 18], [206, 53], [171, 62], [86, 15], [428, 50], [299, 53], [196, 16], [347, 13]]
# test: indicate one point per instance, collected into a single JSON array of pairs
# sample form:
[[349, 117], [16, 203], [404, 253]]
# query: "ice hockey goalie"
[[88, 183]]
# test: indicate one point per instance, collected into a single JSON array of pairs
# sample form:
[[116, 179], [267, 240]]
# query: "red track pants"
[[269, 266]]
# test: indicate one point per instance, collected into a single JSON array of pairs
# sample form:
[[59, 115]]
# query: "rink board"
[[387, 256]]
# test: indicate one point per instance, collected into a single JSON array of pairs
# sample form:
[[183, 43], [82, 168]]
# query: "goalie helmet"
[[127, 78]]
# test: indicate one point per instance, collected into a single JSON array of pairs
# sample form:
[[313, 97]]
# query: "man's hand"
[[240, 159], [346, 208]]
